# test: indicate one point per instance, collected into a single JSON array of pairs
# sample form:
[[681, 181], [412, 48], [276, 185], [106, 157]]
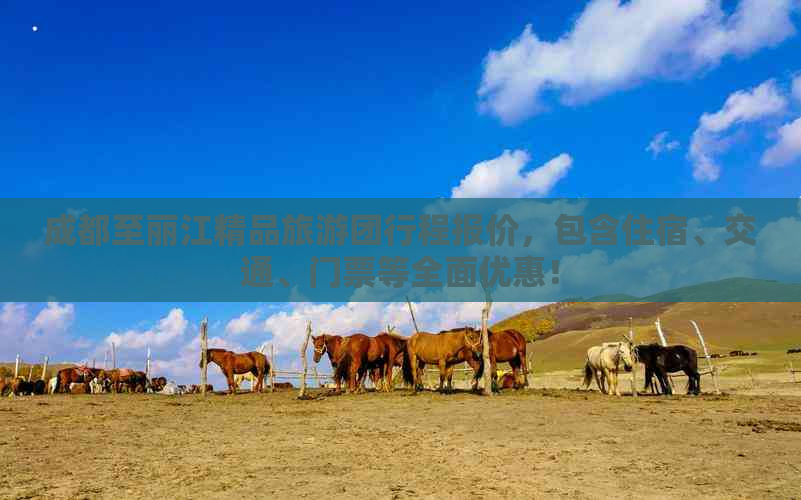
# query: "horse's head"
[[319, 347], [626, 356], [472, 339]]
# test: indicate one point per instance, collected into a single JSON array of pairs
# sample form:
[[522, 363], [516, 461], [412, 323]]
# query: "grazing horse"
[[232, 363], [444, 349], [119, 378], [506, 346], [74, 375], [659, 361], [603, 362]]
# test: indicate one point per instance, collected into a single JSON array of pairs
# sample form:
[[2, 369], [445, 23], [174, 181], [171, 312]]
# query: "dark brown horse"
[[235, 363], [75, 375], [444, 349], [506, 346]]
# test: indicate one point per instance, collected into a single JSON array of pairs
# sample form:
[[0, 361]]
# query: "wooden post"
[[16, 367], [30, 373], [148, 374], [662, 339], [708, 359], [204, 353], [634, 358], [485, 312], [44, 368], [105, 360], [303, 349], [272, 367], [113, 356], [411, 311]]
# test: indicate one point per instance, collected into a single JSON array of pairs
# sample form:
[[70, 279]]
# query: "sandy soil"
[[533, 444]]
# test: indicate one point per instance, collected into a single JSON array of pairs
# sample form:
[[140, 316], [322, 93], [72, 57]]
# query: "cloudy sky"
[[687, 98]]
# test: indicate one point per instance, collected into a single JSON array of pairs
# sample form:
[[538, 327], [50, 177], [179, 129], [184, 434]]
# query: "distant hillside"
[[564, 331], [7, 369]]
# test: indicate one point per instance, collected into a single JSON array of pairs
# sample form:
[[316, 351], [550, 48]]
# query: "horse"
[[239, 378], [660, 361], [506, 346], [328, 344], [74, 375], [357, 354], [52, 385], [232, 363], [387, 350], [21, 387], [332, 346], [603, 362], [158, 383], [444, 349], [39, 387], [119, 378]]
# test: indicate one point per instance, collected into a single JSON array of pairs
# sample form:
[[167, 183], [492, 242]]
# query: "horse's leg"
[[605, 380], [229, 376], [443, 369], [388, 367], [412, 360], [614, 382]]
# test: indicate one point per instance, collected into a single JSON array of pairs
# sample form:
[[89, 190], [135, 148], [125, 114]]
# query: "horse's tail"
[[408, 376], [343, 366], [587, 374]]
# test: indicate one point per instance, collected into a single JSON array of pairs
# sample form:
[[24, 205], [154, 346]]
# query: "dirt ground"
[[533, 444]]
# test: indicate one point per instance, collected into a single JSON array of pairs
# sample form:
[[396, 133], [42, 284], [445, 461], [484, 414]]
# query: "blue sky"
[[361, 99]]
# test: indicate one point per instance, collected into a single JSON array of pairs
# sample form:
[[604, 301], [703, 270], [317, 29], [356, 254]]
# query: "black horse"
[[659, 361]]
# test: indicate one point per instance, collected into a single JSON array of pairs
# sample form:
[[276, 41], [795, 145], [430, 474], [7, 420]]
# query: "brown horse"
[[506, 346], [444, 349], [234, 363], [330, 345], [357, 355], [122, 378], [390, 348], [75, 375]]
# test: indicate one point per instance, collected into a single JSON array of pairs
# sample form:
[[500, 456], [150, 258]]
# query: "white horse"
[[603, 363], [51, 385], [96, 386], [241, 377]]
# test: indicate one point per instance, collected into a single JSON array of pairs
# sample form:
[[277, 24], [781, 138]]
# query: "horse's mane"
[[452, 330]]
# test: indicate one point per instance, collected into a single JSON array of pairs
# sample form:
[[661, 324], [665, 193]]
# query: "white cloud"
[[54, 317], [787, 148], [743, 106], [244, 323], [660, 144], [615, 45], [166, 330], [502, 177], [797, 88]]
